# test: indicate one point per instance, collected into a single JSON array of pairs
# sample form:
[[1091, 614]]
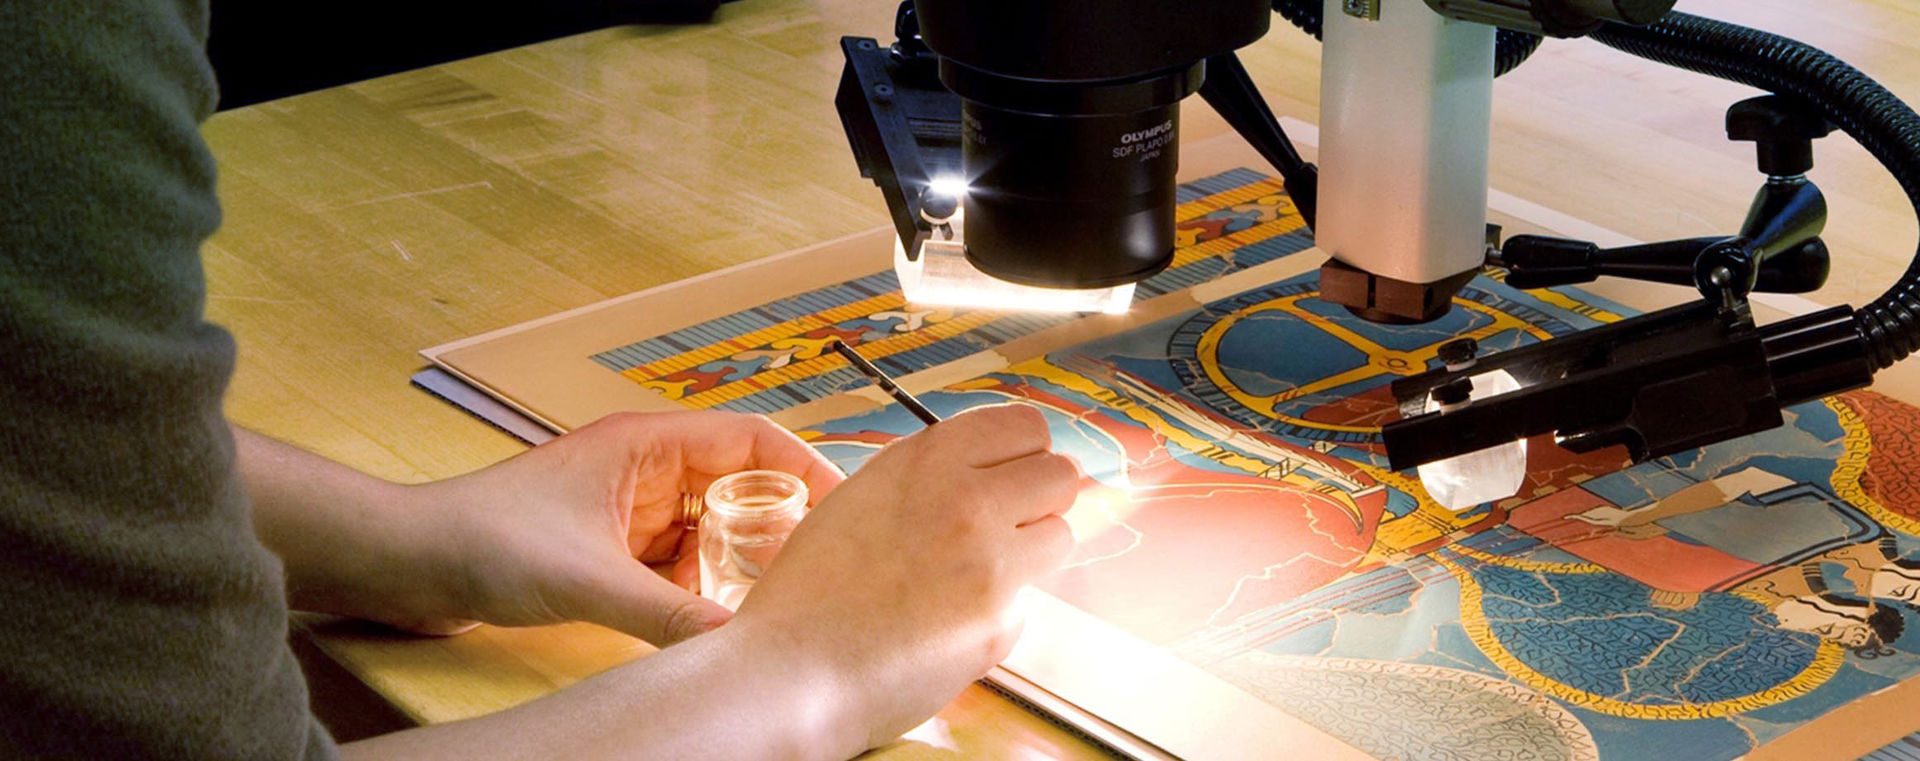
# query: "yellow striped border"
[[697, 357], [824, 363], [1201, 207], [1208, 249]]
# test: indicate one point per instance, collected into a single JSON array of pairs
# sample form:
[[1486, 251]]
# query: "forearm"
[[352, 544], [731, 693]]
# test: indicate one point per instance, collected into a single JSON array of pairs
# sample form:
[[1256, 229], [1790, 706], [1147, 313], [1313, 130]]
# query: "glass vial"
[[748, 516]]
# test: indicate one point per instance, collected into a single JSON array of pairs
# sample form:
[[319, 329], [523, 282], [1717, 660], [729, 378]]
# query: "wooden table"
[[369, 221]]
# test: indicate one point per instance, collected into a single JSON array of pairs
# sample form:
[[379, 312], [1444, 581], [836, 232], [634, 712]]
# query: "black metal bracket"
[[903, 125], [1656, 384]]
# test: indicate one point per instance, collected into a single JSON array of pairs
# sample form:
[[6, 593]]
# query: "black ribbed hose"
[[1301, 13], [1510, 48], [1852, 101]]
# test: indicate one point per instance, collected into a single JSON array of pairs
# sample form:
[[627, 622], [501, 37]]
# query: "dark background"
[[263, 49]]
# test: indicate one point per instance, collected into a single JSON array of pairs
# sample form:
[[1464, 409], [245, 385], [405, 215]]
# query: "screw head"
[[1364, 9], [1454, 391], [1459, 351]]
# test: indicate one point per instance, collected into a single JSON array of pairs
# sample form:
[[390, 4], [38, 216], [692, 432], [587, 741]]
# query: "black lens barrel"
[[1070, 126], [1070, 202]]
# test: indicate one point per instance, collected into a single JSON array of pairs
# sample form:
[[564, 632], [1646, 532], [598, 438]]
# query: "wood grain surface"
[[366, 222]]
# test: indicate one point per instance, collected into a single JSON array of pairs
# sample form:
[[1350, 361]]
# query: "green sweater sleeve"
[[139, 616]]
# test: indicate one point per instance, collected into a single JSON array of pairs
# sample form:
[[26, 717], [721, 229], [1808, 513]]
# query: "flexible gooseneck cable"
[[1852, 101]]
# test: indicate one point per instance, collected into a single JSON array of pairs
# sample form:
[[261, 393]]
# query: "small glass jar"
[[747, 517]]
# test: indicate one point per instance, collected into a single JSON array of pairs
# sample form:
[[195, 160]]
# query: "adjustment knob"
[[1459, 352], [1783, 129]]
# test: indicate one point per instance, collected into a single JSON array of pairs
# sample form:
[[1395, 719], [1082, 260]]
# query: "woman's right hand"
[[899, 583]]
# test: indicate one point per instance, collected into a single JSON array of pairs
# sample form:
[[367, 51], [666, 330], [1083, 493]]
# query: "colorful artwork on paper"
[[774, 356], [1689, 608], [1240, 515]]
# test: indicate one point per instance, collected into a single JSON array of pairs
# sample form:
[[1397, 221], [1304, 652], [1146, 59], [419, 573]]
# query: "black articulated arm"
[[1844, 96], [1702, 373]]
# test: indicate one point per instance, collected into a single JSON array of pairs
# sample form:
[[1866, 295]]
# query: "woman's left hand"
[[565, 531]]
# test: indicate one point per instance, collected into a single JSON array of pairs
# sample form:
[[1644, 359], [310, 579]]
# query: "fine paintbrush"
[[885, 383], [692, 506]]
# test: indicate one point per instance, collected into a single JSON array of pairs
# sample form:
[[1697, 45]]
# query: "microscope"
[[1027, 153]]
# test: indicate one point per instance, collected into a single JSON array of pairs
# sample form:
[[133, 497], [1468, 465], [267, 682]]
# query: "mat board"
[[1243, 395]]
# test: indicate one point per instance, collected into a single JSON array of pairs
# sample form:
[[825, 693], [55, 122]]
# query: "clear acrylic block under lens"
[[1458, 483]]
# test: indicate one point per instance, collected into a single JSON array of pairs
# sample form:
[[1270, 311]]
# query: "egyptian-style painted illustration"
[[1239, 513], [1696, 606], [772, 356]]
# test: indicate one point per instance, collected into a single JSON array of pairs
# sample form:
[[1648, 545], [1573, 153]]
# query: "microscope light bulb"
[[950, 186]]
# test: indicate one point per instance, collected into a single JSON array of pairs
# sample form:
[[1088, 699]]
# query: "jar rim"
[[724, 495]]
